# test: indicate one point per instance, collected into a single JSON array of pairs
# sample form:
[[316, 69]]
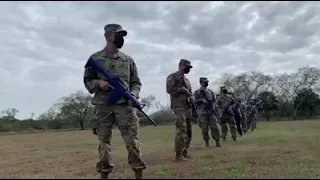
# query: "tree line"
[[284, 97]]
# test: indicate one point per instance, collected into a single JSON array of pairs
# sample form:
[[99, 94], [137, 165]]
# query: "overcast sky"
[[44, 45]]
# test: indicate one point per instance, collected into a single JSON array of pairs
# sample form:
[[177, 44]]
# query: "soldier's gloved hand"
[[103, 84], [184, 90], [94, 131], [135, 99]]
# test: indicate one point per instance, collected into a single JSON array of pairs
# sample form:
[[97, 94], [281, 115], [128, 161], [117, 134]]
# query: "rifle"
[[193, 109], [192, 105], [119, 90], [210, 103], [226, 110]]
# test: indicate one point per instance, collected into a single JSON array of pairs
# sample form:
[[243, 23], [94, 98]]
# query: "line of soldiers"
[[210, 111], [125, 117]]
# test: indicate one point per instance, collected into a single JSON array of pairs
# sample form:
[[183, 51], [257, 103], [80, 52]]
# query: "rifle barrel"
[[154, 123]]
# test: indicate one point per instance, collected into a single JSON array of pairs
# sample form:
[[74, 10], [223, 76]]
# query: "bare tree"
[[75, 106], [10, 114], [148, 101], [291, 84], [246, 85]]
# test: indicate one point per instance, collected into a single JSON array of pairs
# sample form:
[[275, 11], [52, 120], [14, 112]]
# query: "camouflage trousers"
[[182, 117], [125, 117], [244, 124], [208, 121], [227, 119], [252, 123]]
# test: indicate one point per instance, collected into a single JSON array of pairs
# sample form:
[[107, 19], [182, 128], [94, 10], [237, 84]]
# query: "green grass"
[[288, 149]]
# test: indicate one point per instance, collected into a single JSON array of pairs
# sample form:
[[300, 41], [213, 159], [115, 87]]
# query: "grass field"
[[275, 150]]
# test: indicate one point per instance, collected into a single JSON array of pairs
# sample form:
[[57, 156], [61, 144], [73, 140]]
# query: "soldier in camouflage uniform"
[[122, 113], [244, 116], [238, 116], [225, 102], [207, 119], [252, 115], [179, 88]]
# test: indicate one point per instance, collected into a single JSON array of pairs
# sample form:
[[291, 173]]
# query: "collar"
[[111, 56]]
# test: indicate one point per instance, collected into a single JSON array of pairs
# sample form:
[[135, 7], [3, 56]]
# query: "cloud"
[[44, 45]]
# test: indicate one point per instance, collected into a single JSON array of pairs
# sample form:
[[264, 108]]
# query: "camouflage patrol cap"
[[185, 62], [203, 79], [109, 28]]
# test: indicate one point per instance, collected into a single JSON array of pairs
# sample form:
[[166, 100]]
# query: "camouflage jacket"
[[243, 110], [198, 95], [251, 111], [175, 82], [223, 101], [121, 65], [236, 107]]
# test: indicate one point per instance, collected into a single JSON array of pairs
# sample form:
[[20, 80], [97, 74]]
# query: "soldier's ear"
[[107, 36]]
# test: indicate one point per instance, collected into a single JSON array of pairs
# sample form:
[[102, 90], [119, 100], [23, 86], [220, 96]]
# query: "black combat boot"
[[218, 143], [186, 155], [104, 175], [207, 143], [234, 138], [138, 173]]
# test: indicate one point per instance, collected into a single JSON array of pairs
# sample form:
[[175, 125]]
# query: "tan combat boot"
[[104, 175], [218, 143], [179, 157], [138, 173], [186, 155]]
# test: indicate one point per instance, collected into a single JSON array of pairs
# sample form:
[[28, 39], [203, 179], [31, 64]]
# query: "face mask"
[[186, 70], [205, 84], [118, 41]]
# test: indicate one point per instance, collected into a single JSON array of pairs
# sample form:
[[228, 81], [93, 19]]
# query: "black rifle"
[[210, 103]]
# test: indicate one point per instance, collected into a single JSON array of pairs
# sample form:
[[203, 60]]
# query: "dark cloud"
[[44, 45]]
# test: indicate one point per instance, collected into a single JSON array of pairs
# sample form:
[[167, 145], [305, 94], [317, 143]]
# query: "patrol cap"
[[223, 87], [185, 62], [203, 79], [109, 28]]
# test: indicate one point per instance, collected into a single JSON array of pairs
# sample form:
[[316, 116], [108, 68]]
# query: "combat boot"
[[218, 143], [207, 143], [179, 157], [234, 138], [138, 173], [186, 155], [104, 175]]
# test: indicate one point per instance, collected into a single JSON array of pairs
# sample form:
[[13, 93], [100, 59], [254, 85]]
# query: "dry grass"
[[275, 150]]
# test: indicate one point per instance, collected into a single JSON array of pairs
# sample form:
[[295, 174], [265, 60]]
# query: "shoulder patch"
[[169, 78]]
